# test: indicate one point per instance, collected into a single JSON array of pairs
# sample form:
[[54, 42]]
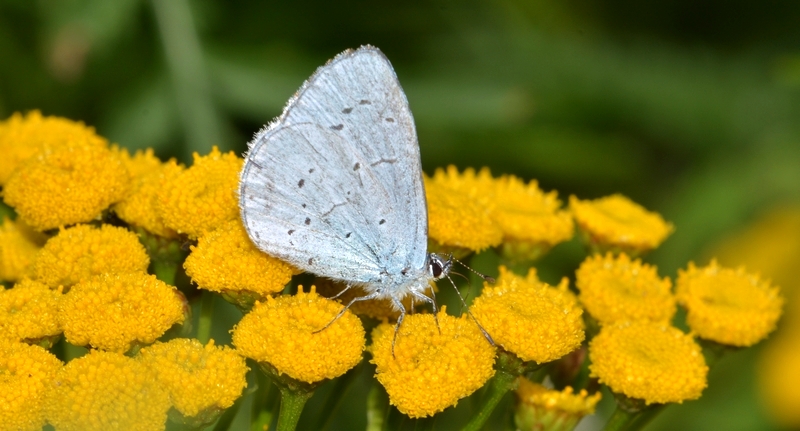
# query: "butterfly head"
[[438, 266]]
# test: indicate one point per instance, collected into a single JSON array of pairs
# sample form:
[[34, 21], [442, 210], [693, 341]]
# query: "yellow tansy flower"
[[115, 311], [650, 361], [18, 247], [529, 318], [201, 380], [617, 289], [25, 375], [72, 184], [457, 221], [105, 391], [138, 208], [728, 306], [430, 369], [22, 137], [615, 223], [779, 374], [540, 408], [28, 312], [201, 198], [225, 260], [374, 308], [282, 333], [83, 251]]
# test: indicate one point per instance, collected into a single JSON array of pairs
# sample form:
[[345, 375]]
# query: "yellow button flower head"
[[617, 289], [615, 223], [540, 408], [83, 251], [728, 306], [22, 137], [201, 198], [107, 391], [529, 318], [115, 311], [431, 370], [650, 361], [225, 260], [28, 312], [201, 380], [458, 218], [25, 375], [18, 247], [71, 184], [138, 208], [779, 374], [282, 333]]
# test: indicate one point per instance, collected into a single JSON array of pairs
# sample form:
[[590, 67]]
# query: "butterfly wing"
[[334, 186]]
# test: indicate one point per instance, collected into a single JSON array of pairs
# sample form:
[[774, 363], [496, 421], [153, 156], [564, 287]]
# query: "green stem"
[[165, 270], [501, 383], [292, 402], [619, 420], [206, 315]]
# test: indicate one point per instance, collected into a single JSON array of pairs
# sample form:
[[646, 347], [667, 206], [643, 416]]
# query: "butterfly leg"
[[432, 300], [342, 292], [397, 303], [372, 295]]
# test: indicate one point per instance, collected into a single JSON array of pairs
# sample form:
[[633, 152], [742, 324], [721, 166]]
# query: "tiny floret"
[[199, 199], [649, 361], [18, 247], [535, 321], [200, 380], [116, 311], [81, 252], [429, 370], [615, 223], [287, 333], [540, 408], [28, 312], [729, 306], [107, 391], [618, 289], [27, 372]]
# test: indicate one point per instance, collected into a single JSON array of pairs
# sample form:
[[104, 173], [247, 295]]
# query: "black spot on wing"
[[338, 127], [311, 171], [389, 120], [357, 166], [291, 231], [311, 261], [347, 110], [382, 221], [348, 234], [308, 221], [300, 183], [364, 102]]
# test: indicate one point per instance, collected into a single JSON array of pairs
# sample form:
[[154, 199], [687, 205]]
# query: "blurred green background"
[[690, 109]]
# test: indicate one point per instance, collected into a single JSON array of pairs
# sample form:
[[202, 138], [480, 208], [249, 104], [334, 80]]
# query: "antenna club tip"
[[491, 280]]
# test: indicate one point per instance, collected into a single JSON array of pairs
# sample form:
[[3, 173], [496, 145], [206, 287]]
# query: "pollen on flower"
[[283, 333], [138, 208], [18, 247], [71, 184], [615, 223], [28, 312], [458, 222], [729, 306], [225, 260], [432, 367], [535, 321], [202, 197], [115, 311], [198, 378], [617, 289], [83, 251], [22, 137], [103, 391], [543, 408], [650, 361], [26, 375]]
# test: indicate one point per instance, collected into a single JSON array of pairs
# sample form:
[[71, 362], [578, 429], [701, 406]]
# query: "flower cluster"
[[93, 260]]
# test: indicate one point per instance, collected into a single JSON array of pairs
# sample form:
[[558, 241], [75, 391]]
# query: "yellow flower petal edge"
[[619, 289], [27, 372], [197, 200], [81, 252], [18, 247], [615, 223], [199, 378], [542, 408], [649, 361], [729, 306], [117, 311], [225, 260], [431, 370], [28, 312], [283, 333], [104, 391], [24, 136], [529, 318], [73, 184]]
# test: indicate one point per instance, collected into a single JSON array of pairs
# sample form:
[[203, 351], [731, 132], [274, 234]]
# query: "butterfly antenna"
[[483, 276], [466, 307]]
